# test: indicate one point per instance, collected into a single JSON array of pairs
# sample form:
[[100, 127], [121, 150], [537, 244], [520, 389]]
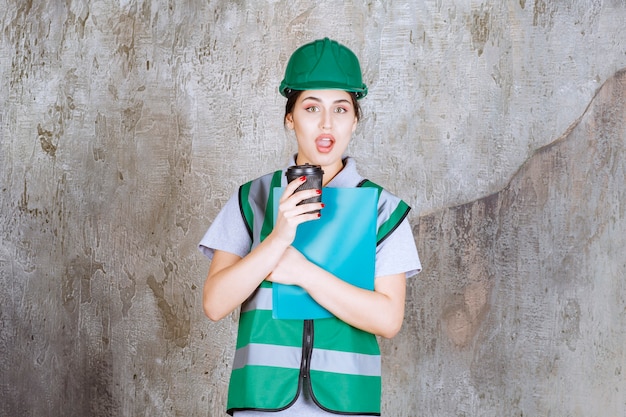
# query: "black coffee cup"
[[314, 175]]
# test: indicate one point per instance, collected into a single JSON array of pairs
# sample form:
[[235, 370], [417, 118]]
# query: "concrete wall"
[[521, 310], [125, 126]]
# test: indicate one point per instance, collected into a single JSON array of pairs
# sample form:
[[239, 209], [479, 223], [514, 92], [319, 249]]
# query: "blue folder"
[[342, 241]]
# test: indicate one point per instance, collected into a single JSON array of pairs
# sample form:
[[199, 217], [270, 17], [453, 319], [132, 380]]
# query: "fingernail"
[[319, 215], [318, 191], [323, 205], [303, 178]]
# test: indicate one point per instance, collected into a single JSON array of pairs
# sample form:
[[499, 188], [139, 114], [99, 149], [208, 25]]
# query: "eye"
[[312, 109], [341, 110]]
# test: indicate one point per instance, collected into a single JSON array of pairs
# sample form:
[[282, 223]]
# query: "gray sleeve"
[[398, 253], [228, 232]]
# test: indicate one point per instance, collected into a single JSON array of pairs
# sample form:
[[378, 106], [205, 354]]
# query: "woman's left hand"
[[290, 268], [379, 312]]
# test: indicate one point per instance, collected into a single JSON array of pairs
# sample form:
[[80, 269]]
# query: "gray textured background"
[[124, 127]]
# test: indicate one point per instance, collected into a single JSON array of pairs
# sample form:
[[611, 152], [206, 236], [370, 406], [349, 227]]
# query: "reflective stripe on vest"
[[257, 205], [323, 360], [271, 355]]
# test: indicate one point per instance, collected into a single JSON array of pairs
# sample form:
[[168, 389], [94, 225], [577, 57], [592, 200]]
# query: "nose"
[[326, 121]]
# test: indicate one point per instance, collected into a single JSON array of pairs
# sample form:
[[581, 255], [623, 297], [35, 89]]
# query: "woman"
[[307, 367]]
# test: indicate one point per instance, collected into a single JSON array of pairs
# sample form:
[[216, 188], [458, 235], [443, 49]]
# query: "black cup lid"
[[306, 169]]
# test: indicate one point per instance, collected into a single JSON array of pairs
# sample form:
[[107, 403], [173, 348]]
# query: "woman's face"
[[323, 121]]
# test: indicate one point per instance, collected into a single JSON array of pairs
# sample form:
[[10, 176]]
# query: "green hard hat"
[[321, 65]]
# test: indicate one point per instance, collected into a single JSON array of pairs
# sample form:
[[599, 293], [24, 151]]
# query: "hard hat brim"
[[285, 89]]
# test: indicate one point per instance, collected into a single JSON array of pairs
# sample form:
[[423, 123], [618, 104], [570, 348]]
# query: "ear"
[[356, 122], [289, 121]]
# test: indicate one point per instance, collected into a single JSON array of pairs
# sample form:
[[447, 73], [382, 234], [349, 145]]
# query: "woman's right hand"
[[290, 214], [232, 279]]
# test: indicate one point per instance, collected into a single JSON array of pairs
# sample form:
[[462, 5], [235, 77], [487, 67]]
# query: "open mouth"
[[324, 143]]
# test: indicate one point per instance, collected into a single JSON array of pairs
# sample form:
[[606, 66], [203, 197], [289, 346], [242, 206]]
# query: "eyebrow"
[[341, 100]]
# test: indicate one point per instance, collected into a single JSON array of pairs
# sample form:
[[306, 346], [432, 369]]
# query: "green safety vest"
[[275, 359]]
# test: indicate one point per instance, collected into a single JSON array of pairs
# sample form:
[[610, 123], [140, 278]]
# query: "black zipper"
[[307, 350]]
